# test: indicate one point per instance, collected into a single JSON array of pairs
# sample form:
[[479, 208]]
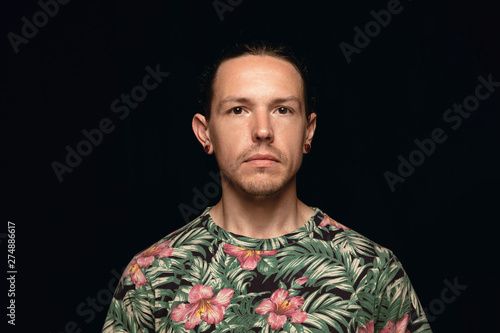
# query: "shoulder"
[[358, 253], [158, 256], [352, 243]]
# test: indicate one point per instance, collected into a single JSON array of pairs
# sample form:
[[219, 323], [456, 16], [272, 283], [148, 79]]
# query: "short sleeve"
[[398, 308], [131, 309]]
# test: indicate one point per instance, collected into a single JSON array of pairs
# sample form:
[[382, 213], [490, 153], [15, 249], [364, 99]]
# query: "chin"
[[261, 191], [263, 187]]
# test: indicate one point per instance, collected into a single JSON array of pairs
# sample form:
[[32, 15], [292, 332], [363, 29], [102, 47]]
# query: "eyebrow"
[[230, 99]]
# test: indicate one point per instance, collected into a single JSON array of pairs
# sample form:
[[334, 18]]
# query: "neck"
[[260, 216]]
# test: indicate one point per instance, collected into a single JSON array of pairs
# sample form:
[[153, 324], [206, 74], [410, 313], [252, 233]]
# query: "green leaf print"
[[267, 266], [323, 277]]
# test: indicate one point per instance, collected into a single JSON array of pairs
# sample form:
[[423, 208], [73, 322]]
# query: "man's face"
[[258, 125]]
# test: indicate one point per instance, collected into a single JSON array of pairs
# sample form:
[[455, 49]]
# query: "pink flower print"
[[399, 327], [135, 273], [280, 307], [248, 258], [202, 306], [302, 280], [327, 220], [145, 259], [369, 328]]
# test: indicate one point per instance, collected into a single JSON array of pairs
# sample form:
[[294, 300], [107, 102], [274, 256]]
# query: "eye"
[[237, 110], [283, 110]]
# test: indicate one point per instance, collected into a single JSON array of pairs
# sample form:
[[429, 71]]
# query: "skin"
[[258, 108]]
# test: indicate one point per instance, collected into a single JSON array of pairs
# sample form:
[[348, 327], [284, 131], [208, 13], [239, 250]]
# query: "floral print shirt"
[[323, 277]]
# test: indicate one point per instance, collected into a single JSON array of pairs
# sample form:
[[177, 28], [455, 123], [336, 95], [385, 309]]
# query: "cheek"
[[228, 148], [294, 143], [230, 145], [292, 137]]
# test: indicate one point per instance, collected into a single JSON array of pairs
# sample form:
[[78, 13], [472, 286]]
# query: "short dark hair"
[[259, 48]]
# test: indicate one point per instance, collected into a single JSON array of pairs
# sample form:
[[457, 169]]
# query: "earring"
[[307, 147], [207, 148]]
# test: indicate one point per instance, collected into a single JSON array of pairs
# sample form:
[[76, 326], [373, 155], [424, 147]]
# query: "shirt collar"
[[262, 244]]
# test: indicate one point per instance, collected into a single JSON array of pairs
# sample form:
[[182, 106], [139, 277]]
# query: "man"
[[260, 259]]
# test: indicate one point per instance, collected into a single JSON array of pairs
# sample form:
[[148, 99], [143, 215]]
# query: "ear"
[[311, 127], [202, 133]]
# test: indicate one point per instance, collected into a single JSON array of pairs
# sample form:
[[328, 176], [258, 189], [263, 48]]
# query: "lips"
[[262, 157]]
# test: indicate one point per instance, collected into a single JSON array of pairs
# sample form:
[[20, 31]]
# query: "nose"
[[262, 127]]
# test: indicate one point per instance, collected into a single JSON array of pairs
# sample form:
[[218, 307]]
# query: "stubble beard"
[[257, 189], [262, 187], [261, 184]]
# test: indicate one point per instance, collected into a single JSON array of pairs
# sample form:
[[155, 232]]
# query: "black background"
[[124, 196]]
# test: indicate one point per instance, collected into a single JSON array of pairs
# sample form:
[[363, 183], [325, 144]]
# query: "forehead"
[[252, 76]]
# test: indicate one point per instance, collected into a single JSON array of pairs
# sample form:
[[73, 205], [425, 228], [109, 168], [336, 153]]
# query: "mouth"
[[262, 161], [262, 157]]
